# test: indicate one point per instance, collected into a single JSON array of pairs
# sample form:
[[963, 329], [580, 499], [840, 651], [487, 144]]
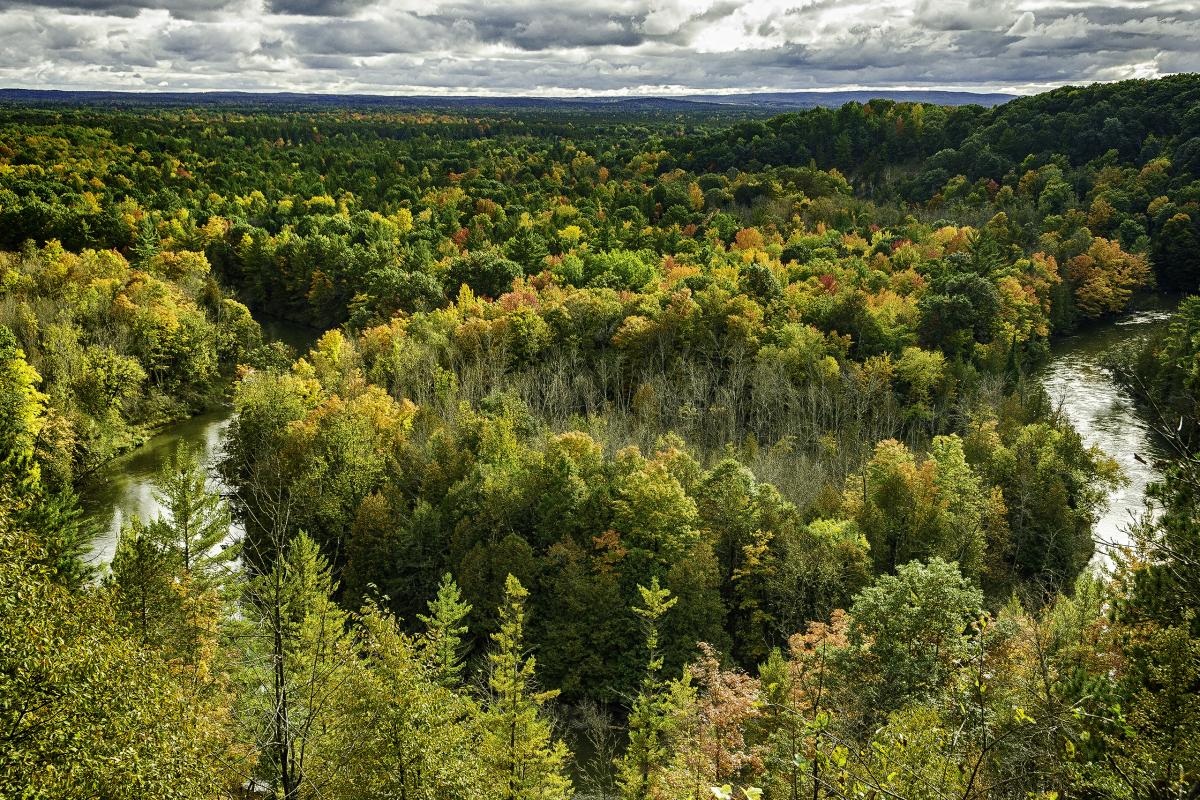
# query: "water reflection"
[[124, 487]]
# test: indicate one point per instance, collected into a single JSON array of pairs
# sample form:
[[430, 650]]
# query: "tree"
[[168, 573], [56, 515], [822, 566], [743, 519], [713, 710], [528, 249], [522, 760], [295, 658], [85, 711], [486, 272], [695, 580], [1053, 486], [906, 633], [1177, 254], [960, 308], [197, 523], [1155, 745], [639, 768], [797, 696], [1105, 276], [1154, 740], [401, 732], [21, 405], [939, 507], [143, 572], [444, 629]]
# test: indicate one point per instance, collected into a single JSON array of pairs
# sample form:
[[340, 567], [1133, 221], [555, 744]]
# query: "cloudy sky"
[[582, 47]]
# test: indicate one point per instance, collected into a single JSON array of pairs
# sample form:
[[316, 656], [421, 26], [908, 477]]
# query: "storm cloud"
[[605, 47]]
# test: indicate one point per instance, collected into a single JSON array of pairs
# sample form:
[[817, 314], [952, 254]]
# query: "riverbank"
[[123, 486], [1075, 377]]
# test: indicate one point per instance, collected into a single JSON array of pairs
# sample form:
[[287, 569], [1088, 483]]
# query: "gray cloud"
[[317, 8], [182, 9], [608, 46]]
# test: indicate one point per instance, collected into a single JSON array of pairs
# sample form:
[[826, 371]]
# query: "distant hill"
[[764, 101], [795, 100]]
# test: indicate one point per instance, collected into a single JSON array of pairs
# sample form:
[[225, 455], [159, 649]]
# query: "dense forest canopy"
[[703, 438]]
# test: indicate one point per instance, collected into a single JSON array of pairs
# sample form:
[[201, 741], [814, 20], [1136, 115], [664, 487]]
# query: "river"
[[124, 487], [1106, 416], [1101, 411]]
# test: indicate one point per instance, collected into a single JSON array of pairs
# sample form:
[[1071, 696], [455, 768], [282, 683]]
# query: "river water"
[[1103, 413], [1107, 417], [124, 487]]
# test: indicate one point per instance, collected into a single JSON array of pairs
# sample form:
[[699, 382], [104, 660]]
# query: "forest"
[[663, 455]]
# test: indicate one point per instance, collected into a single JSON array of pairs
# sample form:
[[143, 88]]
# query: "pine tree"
[[444, 629], [400, 733], [522, 759], [298, 651], [527, 249], [646, 753], [148, 243], [142, 571], [197, 521]]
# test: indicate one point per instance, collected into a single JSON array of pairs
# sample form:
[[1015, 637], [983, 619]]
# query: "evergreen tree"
[[197, 521], [646, 754], [400, 733], [148, 242], [527, 249], [143, 573], [296, 658], [444, 629], [522, 759]]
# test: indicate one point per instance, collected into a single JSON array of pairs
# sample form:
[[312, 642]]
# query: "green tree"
[[1154, 738], [486, 272], [294, 661], [694, 579], [143, 571], [444, 628], [196, 524], [1053, 487], [401, 731], [21, 405], [646, 754], [1177, 254], [907, 631], [522, 760], [528, 249], [85, 711], [56, 515]]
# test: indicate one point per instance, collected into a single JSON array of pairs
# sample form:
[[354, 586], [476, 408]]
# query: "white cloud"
[[1024, 25]]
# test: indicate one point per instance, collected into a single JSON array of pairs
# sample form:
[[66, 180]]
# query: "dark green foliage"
[[487, 273]]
